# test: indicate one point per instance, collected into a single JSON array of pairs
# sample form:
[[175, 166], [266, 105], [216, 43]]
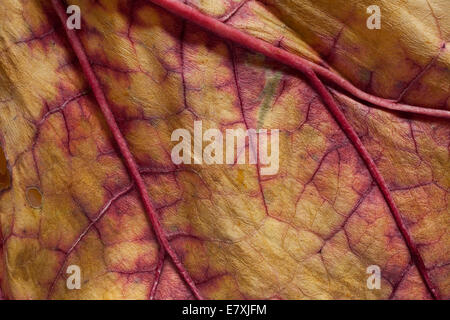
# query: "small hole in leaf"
[[34, 197], [5, 177]]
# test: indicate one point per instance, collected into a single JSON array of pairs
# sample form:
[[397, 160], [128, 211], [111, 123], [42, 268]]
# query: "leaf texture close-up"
[[88, 183]]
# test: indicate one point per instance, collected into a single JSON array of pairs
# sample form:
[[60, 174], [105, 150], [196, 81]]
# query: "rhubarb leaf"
[[88, 181]]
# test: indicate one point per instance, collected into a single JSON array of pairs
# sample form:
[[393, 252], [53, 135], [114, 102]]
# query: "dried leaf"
[[358, 184]]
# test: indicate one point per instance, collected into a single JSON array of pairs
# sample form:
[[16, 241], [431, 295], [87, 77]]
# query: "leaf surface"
[[69, 195]]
